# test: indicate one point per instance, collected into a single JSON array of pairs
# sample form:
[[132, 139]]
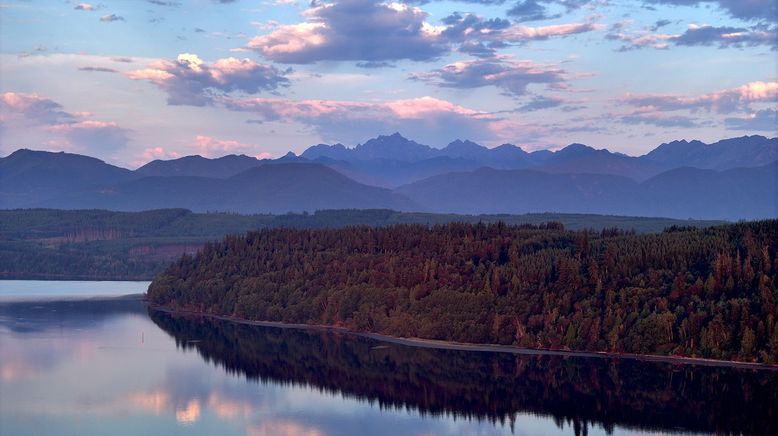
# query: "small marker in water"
[[141, 337]]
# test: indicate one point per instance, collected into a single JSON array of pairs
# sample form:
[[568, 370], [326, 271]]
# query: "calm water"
[[47, 289], [108, 366]]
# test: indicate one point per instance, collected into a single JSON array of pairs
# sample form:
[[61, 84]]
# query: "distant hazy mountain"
[[392, 147], [28, 177], [730, 179], [582, 159], [395, 147], [742, 193], [746, 151], [394, 160], [278, 188], [390, 173], [487, 190], [219, 168], [739, 193]]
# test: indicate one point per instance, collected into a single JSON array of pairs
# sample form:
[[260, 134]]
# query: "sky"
[[133, 81]]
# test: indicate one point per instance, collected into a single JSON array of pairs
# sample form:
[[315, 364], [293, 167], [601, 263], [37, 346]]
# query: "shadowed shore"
[[489, 348]]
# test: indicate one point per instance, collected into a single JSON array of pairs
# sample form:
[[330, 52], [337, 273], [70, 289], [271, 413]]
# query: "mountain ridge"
[[471, 179]]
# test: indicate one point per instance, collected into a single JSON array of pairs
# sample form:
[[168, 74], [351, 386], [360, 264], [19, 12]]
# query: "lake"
[[77, 365]]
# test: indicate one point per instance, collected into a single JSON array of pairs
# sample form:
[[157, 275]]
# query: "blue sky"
[[130, 81]]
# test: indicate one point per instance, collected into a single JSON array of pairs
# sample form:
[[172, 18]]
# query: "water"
[[43, 289], [109, 366]]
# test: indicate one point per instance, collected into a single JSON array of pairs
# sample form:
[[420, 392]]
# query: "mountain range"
[[731, 179]]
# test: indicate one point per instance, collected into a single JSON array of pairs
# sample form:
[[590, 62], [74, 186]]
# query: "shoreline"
[[27, 299], [487, 348]]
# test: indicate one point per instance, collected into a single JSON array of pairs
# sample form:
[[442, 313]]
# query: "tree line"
[[110, 245], [690, 292]]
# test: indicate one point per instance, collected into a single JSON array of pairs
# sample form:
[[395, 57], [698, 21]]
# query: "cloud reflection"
[[282, 428]]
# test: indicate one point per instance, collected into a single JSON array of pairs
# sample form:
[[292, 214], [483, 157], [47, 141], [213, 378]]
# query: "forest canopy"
[[109, 245], [690, 292]]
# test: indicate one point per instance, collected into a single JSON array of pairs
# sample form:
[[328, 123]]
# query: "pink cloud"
[[519, 33], [373, 31], [191, 81], [31, 107], [83, 125], [212, 147], [724, 101], [421, 107], [353, 30], [154, 153], [428, 119], [289, 39]]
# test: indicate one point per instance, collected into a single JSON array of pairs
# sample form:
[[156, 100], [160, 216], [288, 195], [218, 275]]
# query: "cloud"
[[84, 7], [724, 101], [190, 81], [511, 76], [357, 30], [725, 37], [529, 10], [206, 146], [653, 108], [660, 120], [211, 147], [471, 27], [98, 69], [532, 10], [462, 27], [478, 2], [111, 18], [427, 119], [172, 4], [763, 120], [92, 135], [695, 35], [15, 106], [540, 102], [659, 24], [479, 49], [374, 64], [743, 9], [373, 31], [632, 41], [155, 153], [519, 33], [73, 131]]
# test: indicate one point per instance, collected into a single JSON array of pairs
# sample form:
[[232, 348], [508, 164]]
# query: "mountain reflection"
[[39, 316], [491, 386]]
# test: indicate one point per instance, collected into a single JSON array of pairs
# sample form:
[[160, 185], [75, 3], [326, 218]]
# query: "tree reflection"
[[491, 386]]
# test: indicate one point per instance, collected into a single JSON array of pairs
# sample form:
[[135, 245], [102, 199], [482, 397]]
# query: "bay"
[[95, 361]]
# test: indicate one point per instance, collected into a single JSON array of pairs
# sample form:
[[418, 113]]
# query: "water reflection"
[[491, 386], [68, 314], [99, 367]]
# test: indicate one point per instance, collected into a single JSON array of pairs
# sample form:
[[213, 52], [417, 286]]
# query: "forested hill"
[[108, 245], [702, 293]]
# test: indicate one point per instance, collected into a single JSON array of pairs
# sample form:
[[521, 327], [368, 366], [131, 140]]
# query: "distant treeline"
[[692, 292], [101, 244]]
